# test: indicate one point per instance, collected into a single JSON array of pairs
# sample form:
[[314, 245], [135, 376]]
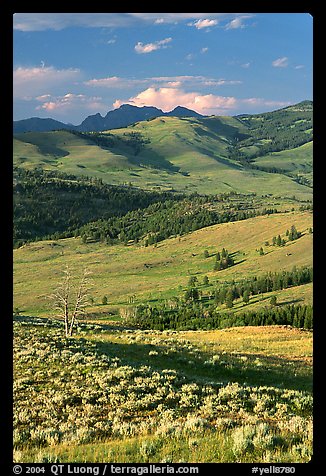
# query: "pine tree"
[[192, 294], [229, 299], [192, 281], [246, 296], [205, 281], [273, 300], [217, 266], [294, 234]]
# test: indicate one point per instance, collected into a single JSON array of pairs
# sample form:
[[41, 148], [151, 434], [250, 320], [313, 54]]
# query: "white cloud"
[[168, 98], [206, 23], [115, 82], [238, 22], [221, 82], [149, 47], [281, 62], [176, 17], [204, 50], [38, 80], [59, 21], [163, 81], [190, 56], [264, 102], [235, 24]]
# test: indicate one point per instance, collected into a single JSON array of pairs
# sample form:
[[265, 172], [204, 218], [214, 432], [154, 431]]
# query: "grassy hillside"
[[185, 154], [160, 271], [294, 162], [63, 151]]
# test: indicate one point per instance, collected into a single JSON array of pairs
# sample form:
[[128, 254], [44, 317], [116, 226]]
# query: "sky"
[[68, 66]]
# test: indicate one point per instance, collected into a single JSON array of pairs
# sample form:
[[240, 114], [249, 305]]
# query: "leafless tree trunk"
[[82, 299], [69, 301]]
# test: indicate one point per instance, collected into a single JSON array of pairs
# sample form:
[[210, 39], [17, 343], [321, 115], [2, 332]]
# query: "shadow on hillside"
[[249, 369], [180, 355]]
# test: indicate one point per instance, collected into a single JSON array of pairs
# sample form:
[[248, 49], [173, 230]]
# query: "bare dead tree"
[[81, 301], [70, 300]]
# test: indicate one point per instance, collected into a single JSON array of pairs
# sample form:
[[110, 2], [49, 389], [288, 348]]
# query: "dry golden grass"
[[281, 341]]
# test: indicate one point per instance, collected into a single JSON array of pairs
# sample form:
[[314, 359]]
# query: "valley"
[[193, 341]]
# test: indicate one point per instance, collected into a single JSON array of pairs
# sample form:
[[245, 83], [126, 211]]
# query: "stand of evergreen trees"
[[273, 132], [163, 220], [196, 311], [263, 284], [223, 260], [53, 205], [187, 317]]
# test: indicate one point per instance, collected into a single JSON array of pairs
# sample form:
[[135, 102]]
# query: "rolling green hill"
[[162, 271], [296, 163], [184, 154]]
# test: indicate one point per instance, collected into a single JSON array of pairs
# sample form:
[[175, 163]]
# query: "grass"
[[294, 162], [187, 155], [209, 447], [236, 395], [160, 272], [221, 356]]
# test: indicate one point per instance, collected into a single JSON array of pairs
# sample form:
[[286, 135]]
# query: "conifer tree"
[[246, 296]]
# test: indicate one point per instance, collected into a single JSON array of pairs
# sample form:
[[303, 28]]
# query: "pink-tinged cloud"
[[140, 48], [70, 102], [168, 98], [38, 80]]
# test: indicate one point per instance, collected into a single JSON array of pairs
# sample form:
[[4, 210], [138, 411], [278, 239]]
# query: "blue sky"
[[70, 65]]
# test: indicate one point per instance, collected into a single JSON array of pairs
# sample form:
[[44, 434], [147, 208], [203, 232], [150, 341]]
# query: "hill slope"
[[207, 155], [157, 272]]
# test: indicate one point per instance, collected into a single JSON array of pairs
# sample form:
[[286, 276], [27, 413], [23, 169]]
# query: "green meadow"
[[160, 271], [188, 155]]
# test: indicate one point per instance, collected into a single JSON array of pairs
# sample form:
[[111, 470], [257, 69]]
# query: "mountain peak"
[[181, 111], [123, 116]]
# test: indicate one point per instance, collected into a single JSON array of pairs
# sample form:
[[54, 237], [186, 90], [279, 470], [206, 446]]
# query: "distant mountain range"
[[124, 116]]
